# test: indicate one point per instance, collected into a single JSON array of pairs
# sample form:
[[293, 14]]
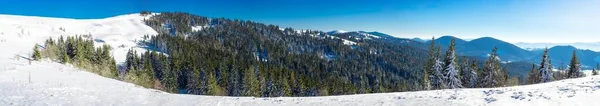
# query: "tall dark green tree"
[[251, 83], [491, 71], [533, 77], [574, 67], [428, 69]]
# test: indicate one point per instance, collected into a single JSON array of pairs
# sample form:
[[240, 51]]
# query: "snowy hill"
[[48, 83], [18, 34]]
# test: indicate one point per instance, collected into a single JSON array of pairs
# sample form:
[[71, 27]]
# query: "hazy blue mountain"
[[482, 47], [444, 41], [419, 40], [561, 55]]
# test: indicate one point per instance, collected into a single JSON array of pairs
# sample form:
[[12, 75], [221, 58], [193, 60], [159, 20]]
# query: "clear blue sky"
[[510, 20]]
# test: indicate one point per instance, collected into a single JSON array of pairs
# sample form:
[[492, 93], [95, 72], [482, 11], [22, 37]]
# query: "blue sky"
[[510, 20]]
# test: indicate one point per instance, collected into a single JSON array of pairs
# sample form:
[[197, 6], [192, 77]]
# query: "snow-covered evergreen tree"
[[451, 75], [469, 74], [545, 75], [436, 76], [465, 71], [491, 69], [429, 65]]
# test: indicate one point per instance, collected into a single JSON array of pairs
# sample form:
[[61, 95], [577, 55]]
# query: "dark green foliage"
[[574, 67], [534, 76], [80, 52], [243, 58], [144, 13], [493, 75], [36, 54]]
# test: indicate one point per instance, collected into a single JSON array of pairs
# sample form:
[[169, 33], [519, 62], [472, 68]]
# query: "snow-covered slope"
[[48, 83], [20, 33]]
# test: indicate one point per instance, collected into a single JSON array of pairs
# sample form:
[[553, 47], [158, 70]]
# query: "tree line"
[[546, 73], [446, 72], [79, 51]]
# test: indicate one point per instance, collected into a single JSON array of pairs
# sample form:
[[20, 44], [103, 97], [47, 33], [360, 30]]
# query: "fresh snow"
[[198, 28], [337, 31], [49, 83], [120, 32]]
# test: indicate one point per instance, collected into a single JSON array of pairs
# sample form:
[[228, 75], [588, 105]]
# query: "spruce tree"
[[36, 53], [491, 70], [436, 77], [431, 61], [533, 76], [574, 67], [465, 72], [473, 76], [451, 72], [545, 75], [251, 83]]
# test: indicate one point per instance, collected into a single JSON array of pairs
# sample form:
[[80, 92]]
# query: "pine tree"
[[491, 70], [437, 77], [544, 69], [473, 76], [465, 72], [451, 73], [431, 61], [65, 57], [36, 53], [574, 67], [251, 83], [533, 76]]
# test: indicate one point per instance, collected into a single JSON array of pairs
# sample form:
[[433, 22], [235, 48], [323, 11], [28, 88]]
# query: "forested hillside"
[[217, 56]]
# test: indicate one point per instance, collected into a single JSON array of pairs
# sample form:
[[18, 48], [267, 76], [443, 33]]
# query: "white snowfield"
[[49, 83], [21, 33]]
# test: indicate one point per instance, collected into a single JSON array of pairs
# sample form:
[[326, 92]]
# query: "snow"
[[198, 28], [56, 84], [337, 32], [120, 32], [348, 42], [49, 83]]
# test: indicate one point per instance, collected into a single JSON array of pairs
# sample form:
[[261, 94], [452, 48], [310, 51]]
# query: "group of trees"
[[244, 58], [450, 74], [79, 51], [546, 73]]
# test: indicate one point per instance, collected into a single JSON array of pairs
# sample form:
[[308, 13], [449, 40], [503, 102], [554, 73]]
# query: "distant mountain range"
[[595, 46], [509, 52], [560, 55]]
